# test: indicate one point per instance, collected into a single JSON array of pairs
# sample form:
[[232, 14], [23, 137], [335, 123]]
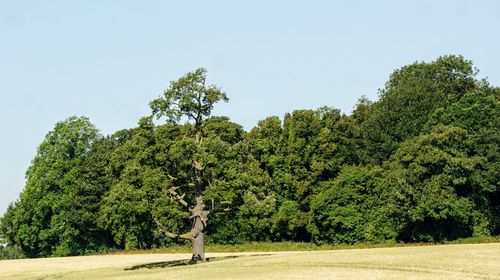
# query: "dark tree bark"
[[197, 232]]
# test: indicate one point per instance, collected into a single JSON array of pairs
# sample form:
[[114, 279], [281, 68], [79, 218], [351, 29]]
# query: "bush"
[[10, 252]]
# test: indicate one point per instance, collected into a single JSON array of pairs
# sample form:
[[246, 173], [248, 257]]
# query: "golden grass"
[[471, 261]]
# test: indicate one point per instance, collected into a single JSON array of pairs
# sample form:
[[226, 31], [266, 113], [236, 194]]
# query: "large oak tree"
[[190, 98]]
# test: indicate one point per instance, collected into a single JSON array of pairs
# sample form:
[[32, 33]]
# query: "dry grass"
[[473, 261]]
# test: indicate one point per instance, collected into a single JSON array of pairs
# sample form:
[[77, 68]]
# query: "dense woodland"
[[419, 164]]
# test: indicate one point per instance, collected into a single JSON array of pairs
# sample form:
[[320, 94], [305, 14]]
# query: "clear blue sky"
[[107, 59]]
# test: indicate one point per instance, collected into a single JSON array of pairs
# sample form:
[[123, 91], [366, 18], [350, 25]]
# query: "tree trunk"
[[198, 248], [198, 212], [197, 232]]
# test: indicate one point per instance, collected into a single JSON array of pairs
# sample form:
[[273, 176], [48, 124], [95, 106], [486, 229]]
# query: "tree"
[[190, 97], [410, 96], [478, 112], [420, 164], [47, 219], [91, 185], [8, 227], [264, 141], [352, 208], [432, 185], [125, 209]]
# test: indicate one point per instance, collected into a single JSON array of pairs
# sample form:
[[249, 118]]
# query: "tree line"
[[419, 164]]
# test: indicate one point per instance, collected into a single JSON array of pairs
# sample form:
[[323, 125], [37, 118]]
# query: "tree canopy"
[[419, 164]]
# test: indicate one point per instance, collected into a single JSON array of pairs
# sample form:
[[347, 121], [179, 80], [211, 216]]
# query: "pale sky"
[[107, 59]]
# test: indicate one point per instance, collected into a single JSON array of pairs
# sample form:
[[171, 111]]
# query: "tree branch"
[[189, 235], [163, 230], [198, 166], [177, 197]]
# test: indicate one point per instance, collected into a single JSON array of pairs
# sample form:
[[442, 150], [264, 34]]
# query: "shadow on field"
[[186, 262]]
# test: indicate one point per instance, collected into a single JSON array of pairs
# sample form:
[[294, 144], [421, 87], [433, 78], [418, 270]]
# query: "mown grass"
[[299, 246], [457, 261]]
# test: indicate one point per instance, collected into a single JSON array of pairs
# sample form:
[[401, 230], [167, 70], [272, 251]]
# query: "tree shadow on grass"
[[186, 262]]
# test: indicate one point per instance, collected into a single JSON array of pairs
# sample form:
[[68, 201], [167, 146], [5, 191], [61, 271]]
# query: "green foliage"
[[352, 208], [225, 130], [8, 225], [255, 215], [188, 96], [289, 221], [431, 178], [478, 112], [46, 219], [10, 252], [421, 164], [137, 184], [236, 188], [410, 96]]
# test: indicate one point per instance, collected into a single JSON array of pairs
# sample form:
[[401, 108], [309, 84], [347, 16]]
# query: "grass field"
[[458, 261]]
